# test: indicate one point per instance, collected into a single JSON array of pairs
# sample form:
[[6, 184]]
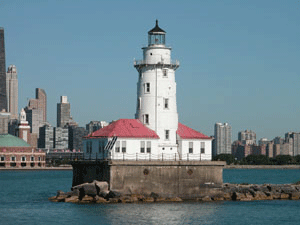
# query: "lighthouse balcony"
[[138, 64]]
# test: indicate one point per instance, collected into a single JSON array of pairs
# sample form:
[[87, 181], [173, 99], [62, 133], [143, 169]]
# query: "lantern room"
[[156, 36]]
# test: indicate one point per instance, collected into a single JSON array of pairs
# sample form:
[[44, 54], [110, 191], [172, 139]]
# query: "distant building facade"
[[95, 125], [4, 120], [76, 135], [46, 138], [61, 138], [3, 97], [39, 102], [12, 91], [222, 141], [247, 137], [293, 138], [64, 112]]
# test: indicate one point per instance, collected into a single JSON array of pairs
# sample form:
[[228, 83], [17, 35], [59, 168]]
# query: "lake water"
[[24, 200]]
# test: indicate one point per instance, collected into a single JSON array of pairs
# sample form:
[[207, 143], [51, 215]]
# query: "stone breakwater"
[[98, 192]]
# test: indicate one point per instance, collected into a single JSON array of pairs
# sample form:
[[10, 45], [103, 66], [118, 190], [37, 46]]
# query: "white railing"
[[143, 62]]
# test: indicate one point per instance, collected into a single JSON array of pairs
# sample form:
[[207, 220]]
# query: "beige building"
[[16, 153], [12, 91]]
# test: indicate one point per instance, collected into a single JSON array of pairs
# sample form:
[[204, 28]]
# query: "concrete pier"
[[185, 179]]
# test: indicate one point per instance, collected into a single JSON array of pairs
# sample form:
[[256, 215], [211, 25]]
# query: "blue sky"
[[239, 59]]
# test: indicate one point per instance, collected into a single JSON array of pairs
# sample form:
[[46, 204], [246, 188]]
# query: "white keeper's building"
[[155, 133]]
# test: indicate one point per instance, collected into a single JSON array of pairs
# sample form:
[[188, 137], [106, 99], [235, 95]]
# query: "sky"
[[239, 60]]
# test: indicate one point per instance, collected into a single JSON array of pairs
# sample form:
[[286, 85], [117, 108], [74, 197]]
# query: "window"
[[39, 158], [167, 134], [13, 158], [139, 103], [89, 147], [2, 158], [146, 119], [123, 146], [148, 146], [147, 87], [23, 159], [202, 147], [142, 147], [165, 73], [166, 103], [191, 147], [101, 146], [32, 158], [117, 148]]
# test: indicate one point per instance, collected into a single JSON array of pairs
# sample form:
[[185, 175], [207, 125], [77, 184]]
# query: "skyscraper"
[[222, 141], [63, 112], [39, 102], [247, 137], [3, 98], [12, 91]]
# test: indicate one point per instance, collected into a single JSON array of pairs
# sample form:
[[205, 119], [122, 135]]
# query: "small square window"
[[142, 147], [13, 158], [32, 158], [167, 134], [23, 158], [166, 103], [2, 158], [190, 147], [146, 119], [202, 147], [147, 87], [165, 73]]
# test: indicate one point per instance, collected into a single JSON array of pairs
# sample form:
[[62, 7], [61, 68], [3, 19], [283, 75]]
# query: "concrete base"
[[185, 179]]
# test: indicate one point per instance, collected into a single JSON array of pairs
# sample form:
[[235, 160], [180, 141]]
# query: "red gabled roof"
[[188, 133], [126, 128]]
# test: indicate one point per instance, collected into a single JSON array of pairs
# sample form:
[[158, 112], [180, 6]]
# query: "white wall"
[[183, 149]]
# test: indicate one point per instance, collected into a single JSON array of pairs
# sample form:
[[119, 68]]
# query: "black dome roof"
[[156, 29]]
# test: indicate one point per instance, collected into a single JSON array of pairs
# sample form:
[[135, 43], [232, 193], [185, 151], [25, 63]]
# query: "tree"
[[225, 157], [283, 159], [255, 160]]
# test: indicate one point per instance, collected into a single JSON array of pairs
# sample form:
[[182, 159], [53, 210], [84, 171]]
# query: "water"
[[24, 200]]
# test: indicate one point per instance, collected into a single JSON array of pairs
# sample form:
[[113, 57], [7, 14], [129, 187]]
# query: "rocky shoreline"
[[98, 192]]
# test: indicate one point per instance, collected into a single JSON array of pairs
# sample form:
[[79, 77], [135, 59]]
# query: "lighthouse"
[[155, 133], [156, 90]]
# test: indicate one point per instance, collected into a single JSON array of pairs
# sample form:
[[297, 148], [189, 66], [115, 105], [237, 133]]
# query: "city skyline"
[[238, 60]]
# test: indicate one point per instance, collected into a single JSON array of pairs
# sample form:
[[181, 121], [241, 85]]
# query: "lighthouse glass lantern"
[[156, 36]]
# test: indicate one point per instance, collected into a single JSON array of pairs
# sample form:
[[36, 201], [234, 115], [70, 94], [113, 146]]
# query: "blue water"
[[24, 200]]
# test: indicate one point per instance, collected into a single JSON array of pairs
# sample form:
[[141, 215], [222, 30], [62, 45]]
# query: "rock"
[[90, 189], [126, 199], [100, 200], [113, 194], [294, 196], [87, 199], [173, 199], [148, 199], [259, 195], [154, 195], [114, 200], [160, 199], [288, 189], [101, 187], [73, 199], [219, 197], [248, 197], [53, 199], [61, 198], [236, 196], [205, 199], [284, 196], [227, 196], [276, 195]]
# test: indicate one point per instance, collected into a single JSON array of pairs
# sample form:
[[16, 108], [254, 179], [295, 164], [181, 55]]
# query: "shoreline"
[[35, 169], [262, 167]]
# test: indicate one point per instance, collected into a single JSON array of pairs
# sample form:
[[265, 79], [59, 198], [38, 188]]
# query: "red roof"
[[188, 133], [128, 128]]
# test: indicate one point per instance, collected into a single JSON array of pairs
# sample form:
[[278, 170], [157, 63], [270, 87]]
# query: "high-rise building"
[[76, 135], [3, 97], [95, 125], [4, 120], [247, 137], [35, 119], [46, 138], [64, 117], [61, 138], [222, 141], [12, 91], [39, 102], [294, 139]]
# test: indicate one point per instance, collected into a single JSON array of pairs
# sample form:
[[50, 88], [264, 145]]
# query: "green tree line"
[[259, 160]]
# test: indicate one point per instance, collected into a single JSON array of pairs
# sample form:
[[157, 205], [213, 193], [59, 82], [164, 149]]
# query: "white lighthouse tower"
[[156, 91]]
